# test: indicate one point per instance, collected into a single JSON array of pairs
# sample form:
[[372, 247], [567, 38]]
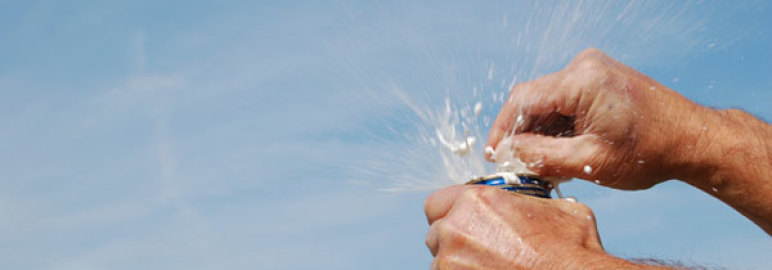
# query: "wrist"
[[721, 145], [732, 161], [697, 155]]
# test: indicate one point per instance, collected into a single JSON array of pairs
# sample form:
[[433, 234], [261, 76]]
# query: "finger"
[[580, 156], [433, 238], [440, 202], [541, 96]]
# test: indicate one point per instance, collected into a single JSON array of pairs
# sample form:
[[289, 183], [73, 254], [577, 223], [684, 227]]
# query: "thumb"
[[581, 156]]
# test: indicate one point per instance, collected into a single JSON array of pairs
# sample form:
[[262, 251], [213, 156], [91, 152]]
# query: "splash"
[[441, 143], [448, 136]]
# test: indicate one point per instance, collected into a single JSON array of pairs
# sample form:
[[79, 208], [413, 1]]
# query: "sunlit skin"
[[601, 121]]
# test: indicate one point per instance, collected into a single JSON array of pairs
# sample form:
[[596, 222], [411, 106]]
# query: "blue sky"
[[179, 135]]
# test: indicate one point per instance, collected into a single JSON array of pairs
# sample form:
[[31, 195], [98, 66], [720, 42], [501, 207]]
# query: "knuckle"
[[590, 61], [471, 194], [428, 240], [518, 89], [590, 53], [583, 209], [429, 202], [448, 240], [480, 195], [529, 88], [441, 226], [444, 229]]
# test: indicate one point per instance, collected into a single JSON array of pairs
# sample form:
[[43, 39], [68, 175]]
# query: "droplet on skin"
[[597, 182], [641, 161], [570, 199], [704, 128], [587, 169], [714, 189], [652, 88], [477, 108], [519, 121], [589, 217]]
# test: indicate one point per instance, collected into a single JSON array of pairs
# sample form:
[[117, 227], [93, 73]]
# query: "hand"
[[599, 120], [481, 227]]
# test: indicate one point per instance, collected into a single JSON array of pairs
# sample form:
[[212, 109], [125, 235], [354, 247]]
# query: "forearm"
[[732, 161]]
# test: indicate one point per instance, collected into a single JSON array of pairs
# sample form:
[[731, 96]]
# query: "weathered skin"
[[481, 227], [633, 133]]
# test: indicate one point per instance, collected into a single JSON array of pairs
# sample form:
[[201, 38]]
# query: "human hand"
[[481, 227], [599, 120]]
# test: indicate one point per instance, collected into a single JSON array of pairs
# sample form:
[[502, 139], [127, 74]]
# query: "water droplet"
[[587, 169], [477, 108], [641, 161], [519, 120], [597, 182], [714, 189]]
